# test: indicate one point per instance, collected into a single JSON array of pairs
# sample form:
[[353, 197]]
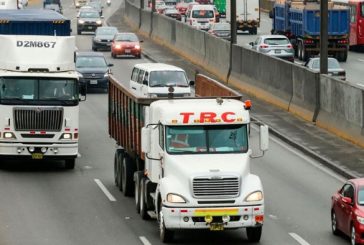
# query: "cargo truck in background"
[[13, 4], [300, 21], [247, 15], [187, 160], [39, 98], [34, 22]]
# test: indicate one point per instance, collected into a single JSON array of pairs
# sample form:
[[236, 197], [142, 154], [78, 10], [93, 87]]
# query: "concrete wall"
[[333, 104]]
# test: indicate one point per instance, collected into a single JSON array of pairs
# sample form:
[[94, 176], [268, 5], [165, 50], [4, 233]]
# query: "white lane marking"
[[274, 217], [106, 192], [299, 239], [306, 158], [361, 60], [144, 240]]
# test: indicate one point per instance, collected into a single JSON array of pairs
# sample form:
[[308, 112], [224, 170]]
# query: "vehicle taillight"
[[263, 46], [289, 46], [343, 41], [309, 41]]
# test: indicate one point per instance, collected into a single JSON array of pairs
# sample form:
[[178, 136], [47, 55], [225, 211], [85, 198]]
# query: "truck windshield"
[[207, 139], [168, 78], [31, 90]]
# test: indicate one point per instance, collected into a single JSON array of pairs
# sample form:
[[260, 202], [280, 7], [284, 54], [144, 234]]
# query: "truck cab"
[[39, 98]]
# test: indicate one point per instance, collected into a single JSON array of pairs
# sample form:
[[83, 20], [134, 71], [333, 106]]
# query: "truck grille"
[[38, 119], [93, 75], [216, 187]]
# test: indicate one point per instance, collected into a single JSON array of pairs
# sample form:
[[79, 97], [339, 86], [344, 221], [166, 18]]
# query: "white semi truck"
[[187, 160], [247, 15], [39, 98]]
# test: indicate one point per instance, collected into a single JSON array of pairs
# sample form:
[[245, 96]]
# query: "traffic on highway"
[[108, 136]]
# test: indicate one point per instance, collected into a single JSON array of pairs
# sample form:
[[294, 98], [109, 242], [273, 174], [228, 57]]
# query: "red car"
[[347, 211], [126, 43]]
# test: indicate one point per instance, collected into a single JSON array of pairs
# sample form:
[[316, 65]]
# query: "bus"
[[356, 21]]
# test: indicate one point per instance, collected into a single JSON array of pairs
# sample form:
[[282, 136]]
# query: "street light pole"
[[323, 36], [233, 31]]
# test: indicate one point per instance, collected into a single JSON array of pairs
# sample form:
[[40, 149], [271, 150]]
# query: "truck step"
[[152, 214]]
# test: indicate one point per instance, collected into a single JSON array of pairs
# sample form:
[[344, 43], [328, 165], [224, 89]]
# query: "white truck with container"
[[39, 98], [247, 15], [187, 160]]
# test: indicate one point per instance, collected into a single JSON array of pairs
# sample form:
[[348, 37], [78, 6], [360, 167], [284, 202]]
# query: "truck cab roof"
[[30, 15]]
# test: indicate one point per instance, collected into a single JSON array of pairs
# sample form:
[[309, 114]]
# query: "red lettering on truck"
[[186, 116]]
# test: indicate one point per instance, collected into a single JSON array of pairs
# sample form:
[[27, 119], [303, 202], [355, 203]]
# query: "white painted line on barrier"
[[306, 158], [106, 192], [299, 239], [144, 240]]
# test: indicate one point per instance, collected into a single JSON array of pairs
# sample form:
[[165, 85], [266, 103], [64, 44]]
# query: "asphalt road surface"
[[41, 203]]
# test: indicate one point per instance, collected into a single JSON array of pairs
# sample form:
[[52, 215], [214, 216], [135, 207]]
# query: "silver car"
[[275, 45], [333, 67]]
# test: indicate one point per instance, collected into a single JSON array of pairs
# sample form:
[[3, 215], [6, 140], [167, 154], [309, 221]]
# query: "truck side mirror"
[[145, 140], [264, 138], [192, 83], [145, 82], [251, 44]]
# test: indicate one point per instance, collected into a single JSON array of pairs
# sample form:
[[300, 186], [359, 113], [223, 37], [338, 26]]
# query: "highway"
[[44, 204], [353, 65]]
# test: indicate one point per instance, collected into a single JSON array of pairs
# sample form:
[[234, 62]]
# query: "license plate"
[[37, 156], [90, 27], [127, 51], [93, 81], [216, 227], [277, 51]]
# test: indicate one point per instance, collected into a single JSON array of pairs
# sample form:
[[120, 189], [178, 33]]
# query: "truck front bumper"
[[39, 151], [214, 218]]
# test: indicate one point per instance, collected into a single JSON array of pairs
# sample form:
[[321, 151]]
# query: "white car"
[[333, 67], [157, 79]]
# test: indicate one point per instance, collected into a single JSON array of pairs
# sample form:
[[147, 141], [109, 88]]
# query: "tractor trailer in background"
[[300, 21], [187, 160], [34, 22], [247, 14]]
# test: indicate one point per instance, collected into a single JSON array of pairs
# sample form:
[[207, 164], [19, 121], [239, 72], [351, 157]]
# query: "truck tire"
[[165, 234], [304, 53], [117, 163], [137, 182], [254, 233], [342, 56], [70, 163], [299, 50], [127, 172], [143, 202]]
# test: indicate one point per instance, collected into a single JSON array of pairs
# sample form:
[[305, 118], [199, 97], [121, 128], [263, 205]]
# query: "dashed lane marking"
[[106, 192], [144, 240], [299, 239]]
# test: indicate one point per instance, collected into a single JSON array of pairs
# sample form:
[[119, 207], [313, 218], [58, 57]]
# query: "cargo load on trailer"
[[247, 15]]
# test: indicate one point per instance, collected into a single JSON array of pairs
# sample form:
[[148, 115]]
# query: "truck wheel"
[[343, 56], [165, 235], [117, 163], [299, 51], [127, 176], [143, 202], [254, 233], [137, 182], [70, 163], [304, 53]]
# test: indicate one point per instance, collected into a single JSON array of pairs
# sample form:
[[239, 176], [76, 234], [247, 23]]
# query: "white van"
[[155, 80], [201, 16]]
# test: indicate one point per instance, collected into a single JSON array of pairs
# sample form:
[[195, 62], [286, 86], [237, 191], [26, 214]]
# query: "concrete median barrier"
[[341, 109]]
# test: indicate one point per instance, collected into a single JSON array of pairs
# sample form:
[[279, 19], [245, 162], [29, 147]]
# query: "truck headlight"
[[99, 22], [9, 135], [81, 21], [360, 220], [254, 196], [175, 198], [66, 136]]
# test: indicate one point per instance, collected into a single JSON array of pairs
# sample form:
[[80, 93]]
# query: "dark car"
[[88, 20], [103, 37], [173, 13], [94, 69], [347, 211], [221, 30]]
